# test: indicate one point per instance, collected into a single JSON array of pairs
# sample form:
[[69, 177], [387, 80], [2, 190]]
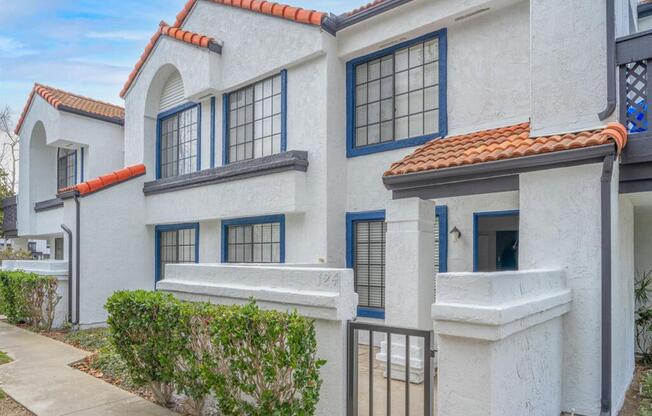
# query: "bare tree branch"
[[9, 148]]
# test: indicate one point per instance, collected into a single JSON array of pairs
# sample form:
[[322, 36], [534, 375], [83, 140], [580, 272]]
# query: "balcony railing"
[[634, 57], [10, 207]]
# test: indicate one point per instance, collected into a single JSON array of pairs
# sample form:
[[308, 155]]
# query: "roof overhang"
[[488, 177]]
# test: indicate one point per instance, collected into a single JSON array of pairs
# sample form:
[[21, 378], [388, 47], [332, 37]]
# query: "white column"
[[500, 342], [409, 278]]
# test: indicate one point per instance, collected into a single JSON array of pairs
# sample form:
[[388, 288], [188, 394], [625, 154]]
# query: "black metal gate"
[[354, 349]]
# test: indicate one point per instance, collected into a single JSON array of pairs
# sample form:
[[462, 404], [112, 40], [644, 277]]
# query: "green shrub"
[[254, 362], [28, 297], [144, 330], [271, 362]]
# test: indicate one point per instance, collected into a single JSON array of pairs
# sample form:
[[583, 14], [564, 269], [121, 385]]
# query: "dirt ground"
[[632, 400], [8, 407]]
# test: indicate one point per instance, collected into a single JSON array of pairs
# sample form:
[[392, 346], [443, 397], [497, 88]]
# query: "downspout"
[[77, 254], [67, 230], [605, 200], [611, 62]]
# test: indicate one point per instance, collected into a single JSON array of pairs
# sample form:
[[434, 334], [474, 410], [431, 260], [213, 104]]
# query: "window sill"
[[393, 145], [53, 203], [371, 313], [286, 161]]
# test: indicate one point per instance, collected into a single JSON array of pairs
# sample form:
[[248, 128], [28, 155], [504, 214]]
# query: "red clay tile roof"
[[365, 7], [165, 30], [94, 185], [498, 144], [67, 101], [284, 11]]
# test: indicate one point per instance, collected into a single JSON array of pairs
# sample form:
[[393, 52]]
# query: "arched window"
[[66, 167], [179, 126]]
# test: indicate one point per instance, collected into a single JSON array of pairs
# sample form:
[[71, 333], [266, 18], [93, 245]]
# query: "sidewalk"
[[40, 379]]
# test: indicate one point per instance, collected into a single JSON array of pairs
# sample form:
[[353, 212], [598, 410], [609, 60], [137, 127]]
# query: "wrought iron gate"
[[410, 337]]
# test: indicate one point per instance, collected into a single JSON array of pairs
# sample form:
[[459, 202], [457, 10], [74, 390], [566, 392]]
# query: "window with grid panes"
[[255, 120], [176, 246], [369, 263], [397, 95], [66, 163], [179, 143], [254, 243]]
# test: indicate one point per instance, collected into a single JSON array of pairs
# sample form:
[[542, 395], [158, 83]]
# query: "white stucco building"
[[403, 139]]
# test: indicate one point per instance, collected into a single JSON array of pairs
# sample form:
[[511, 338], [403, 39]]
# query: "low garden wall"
[[55, 268], [324, 295], [500, 342]]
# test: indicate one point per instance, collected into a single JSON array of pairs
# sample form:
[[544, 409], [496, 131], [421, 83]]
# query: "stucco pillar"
[[500, 342], [409, 277]]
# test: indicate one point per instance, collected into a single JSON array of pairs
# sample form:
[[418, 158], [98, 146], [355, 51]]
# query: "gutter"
[[611, 62], [605, 201], [67, 230], [77, 254], [332, 23]]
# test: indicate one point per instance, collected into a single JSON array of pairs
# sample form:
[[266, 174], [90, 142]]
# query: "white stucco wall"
[[43, 131], [623, 272], [117, 248], [568, 65], [560, 229]]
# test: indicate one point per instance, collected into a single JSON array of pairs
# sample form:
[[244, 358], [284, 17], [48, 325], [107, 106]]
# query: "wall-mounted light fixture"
[[457, 234]]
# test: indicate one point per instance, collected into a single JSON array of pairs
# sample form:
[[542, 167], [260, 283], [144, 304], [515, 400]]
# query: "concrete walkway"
[[40, 379]]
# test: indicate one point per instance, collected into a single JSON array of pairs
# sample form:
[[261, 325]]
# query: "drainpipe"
[[611, 62], [605, 200], [77, 250], [67, 230]]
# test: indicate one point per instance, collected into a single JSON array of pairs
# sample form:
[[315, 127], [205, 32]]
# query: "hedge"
[[29, 298], [250, 361]]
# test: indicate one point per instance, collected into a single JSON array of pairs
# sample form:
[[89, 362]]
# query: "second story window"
[[179, 141], [66, 167], [255, 125], [397, 96]]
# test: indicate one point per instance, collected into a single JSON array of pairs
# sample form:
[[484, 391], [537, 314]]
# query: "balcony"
[[9, 223], [633, 56]]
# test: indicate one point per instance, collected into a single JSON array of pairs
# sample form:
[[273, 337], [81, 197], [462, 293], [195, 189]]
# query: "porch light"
[[456, 234]]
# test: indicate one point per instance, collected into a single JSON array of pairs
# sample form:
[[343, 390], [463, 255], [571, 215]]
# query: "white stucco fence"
[[325, 295], [500, 342], [54, 268]]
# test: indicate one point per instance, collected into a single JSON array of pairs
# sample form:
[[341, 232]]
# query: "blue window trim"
[[351, 219], [81, 173], [284, 117], [157, 243], [212, 132], [76, 176], [351, 150], [251, 221], [441, 212], [476, 218], [165, 114]]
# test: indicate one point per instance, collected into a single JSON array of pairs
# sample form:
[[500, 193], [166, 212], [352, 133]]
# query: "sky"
[[86, 46]]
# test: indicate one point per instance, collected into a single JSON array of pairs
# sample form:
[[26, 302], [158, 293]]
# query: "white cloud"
[[120, 35], [10, 47]]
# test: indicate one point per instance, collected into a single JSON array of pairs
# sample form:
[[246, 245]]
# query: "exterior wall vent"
[[172, 94]]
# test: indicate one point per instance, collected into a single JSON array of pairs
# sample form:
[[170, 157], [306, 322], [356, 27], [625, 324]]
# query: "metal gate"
[[355, 349]]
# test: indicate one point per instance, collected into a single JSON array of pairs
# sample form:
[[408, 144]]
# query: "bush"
[[254, 362], [271, 363], [144, 330], [28, 297]]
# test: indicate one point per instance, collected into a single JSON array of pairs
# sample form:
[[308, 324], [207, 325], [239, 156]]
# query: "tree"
[[8, 152]]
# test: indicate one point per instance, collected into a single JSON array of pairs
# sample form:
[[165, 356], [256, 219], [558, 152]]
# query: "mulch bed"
[[9, 407], [85, 365]]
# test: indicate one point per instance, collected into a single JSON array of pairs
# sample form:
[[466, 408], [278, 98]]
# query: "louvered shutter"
[[172, 94]]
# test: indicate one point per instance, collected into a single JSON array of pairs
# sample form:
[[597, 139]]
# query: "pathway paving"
[[41, 380]]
